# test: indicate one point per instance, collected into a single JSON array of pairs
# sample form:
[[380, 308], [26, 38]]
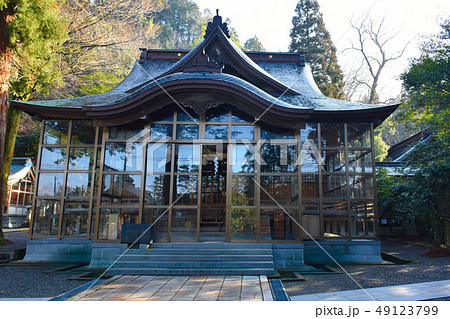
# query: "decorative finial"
[[217, 22]]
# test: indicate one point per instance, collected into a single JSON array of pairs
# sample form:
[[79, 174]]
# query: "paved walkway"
[[14, 230], [180, 288], [413, 292]]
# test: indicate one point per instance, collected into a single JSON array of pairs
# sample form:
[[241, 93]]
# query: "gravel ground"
[[30, 281], [370, 276], [19, 240], [19, 281]]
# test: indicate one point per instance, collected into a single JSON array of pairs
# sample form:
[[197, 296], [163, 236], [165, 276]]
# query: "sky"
[[271, 21]]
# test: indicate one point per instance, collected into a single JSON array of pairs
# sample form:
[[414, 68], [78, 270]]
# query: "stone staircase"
[[197, 259]]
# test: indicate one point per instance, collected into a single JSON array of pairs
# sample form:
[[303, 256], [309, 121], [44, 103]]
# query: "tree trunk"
[[6, 58], [12, 125]]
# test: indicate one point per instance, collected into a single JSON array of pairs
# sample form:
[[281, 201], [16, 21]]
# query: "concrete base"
[[288, 255], [62, 250], [104, 254], [354, 251]]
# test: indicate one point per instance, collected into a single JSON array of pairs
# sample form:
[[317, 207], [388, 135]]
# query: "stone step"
[[185, 251], [218, 245], [193, 264], [192, 272], [196, 257]]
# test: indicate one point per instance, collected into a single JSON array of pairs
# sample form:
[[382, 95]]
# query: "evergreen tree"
[[180, 24], [30, 33], [254, 44], [309, 34]]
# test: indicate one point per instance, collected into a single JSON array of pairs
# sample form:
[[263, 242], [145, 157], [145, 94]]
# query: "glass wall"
[[264, 181], [67, 171]]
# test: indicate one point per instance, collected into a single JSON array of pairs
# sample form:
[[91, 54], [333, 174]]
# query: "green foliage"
[[309, 34], [100, 82], [254, 44], [424, 193], [180, 24], [36, 33], [381, 148], [427, 83]]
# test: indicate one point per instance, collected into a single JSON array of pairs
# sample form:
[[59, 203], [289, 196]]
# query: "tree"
[[30, 32], [372, 40], [104, 37], [253, 44], [310, 36], [426, 188], [427, 84], [180, 23]]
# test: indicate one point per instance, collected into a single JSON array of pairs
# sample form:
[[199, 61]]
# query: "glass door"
[[213, 193]]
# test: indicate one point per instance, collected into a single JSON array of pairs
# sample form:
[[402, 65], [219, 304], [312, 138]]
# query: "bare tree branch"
[[373, 35]]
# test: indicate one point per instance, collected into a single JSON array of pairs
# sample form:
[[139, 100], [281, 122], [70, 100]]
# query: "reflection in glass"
[[277, 225], [187, 158], [218, 132], [332, 134], [82, 133], [121, 189], [360, 161], [358, 135], [243, 160], [243, 224], [46, 217], [50, 184], [184, 224], [53, 158], [161, 217], [239, 116], [129, 131], [123, 157], [242, 132], [157, 189], [283, 190], [187, 132], [75, 218], [276, 133], [334, 185], [186, 116], [280, 158], [81, 158], [333, 161], [186, 189], [311, 219], [78, 184], [363, 222], [310, 186], [158, 158], [161, 131], [361, 186], [111, 220], [243, 191], [309, 133], [56, 132], [309, 160], [335, 219], [217, 115]]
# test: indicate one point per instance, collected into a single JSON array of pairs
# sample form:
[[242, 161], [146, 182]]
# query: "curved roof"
[[279, 84]]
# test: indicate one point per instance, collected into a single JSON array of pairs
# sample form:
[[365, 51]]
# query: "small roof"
[[278, 85], [20, 167]]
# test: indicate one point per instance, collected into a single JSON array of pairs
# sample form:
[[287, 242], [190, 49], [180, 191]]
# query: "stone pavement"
[[180, 288], [413, 292]]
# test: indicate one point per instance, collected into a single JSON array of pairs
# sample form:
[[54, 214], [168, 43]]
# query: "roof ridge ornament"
[[217, 22]]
